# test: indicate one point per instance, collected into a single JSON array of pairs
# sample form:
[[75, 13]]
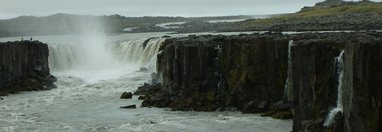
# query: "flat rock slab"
[[129, 107]]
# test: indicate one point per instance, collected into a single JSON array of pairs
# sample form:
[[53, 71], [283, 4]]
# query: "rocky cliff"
[[334, 81], [24, 67], [207, 73], [316, 83], [315, 80], [362, 95]]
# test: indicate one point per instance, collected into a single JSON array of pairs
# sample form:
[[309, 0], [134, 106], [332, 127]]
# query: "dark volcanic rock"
[[129, 107], [126, 95], [206, 73], [248, 72], [362, 96], [142, 97], [143, 69], [24, 67], [255, 107], [253, 69], [315, 82], [147, 89]]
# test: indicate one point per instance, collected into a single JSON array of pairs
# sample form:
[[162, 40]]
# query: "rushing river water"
[[90, 80]]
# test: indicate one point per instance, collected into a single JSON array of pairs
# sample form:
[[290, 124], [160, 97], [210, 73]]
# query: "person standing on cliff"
[[31, 39]]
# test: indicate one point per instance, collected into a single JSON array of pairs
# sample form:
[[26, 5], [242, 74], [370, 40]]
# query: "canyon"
[[322, 81]]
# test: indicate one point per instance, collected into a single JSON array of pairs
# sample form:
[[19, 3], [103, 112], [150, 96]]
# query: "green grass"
[[327, 11], [315, 12]]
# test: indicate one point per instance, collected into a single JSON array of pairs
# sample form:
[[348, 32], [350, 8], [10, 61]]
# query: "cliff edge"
[[24, 67]]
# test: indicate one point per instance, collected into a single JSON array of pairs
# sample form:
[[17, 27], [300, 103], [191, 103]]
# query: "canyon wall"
[[208, 73], [356, 104], [250, 73], [363, 85], [24, 67], [315, 81]]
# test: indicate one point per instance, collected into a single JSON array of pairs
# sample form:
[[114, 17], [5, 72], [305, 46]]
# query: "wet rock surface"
[[208, 73], [249, 72], [363, 85], [129, 107], [315, 82], [126, 95], [24, 67]]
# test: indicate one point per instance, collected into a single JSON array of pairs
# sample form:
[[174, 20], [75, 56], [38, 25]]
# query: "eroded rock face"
[[24, 67], [254, 70], [315, 82], [248, 72], [207, 73], [363, 85], [126, 95]]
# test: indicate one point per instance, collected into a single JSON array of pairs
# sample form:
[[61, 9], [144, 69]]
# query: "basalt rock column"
[[24, 67], [363, 85]]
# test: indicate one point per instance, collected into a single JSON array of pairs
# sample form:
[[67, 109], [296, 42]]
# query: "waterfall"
[[64, 56], [330, 120], [288, 93], [93, 52], [142, 52]]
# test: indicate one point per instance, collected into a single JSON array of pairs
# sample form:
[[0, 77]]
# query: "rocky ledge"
[[208, 73], [269, 73], [24, 67]]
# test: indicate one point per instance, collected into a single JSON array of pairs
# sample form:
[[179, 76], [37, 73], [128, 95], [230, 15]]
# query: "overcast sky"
[[14, 8]]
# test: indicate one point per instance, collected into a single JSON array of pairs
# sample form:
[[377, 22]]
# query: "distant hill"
[[54, 24], [347, 16], [70, 24]]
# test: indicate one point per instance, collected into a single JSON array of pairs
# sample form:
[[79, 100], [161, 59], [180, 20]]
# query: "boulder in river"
[[129, 107], [126, 95]]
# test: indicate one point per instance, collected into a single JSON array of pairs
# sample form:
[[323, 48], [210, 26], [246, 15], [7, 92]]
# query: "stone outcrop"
[[249, 72], [207, 73], [315, 82], [24, 67], [363, 85]]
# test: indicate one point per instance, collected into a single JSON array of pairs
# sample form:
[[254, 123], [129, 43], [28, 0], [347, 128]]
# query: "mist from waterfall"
[[64, 56], [141, 52], [83, 51], [330, 120], [90, 82]]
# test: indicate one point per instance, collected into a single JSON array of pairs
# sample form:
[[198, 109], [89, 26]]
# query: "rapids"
[[90, 83]]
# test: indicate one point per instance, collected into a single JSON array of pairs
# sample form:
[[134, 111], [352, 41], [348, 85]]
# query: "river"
[[92, 73]]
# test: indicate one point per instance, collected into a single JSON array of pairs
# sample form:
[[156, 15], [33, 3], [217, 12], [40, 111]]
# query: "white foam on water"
[[87, 99]]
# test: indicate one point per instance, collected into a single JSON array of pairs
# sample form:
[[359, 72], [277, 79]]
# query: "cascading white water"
[[83, 51], [78, 104], [330, 120], [97, 56], [142, 52], [64, 56], [287, 89]]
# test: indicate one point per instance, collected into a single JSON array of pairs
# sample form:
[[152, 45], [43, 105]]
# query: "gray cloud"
[[13, 8]]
